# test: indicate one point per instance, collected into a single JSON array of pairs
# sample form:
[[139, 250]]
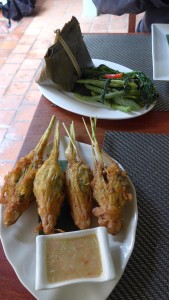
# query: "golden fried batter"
[[78, 188], [49, 188], [111, 187], [17, 191]]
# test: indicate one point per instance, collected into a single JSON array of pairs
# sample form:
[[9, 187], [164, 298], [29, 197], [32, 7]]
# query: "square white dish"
[[44, 243], [160, 51]]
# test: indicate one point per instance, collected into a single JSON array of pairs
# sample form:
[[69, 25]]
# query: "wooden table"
[[152, 122]]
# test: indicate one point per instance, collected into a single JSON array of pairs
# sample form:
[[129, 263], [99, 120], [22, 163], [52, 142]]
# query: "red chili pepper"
[[111, 76]]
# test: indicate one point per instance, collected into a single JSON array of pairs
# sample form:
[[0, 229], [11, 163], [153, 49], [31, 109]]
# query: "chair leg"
[[131, 23], [9, 13]]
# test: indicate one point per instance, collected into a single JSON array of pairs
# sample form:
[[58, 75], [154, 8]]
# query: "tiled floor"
[[21, 51]]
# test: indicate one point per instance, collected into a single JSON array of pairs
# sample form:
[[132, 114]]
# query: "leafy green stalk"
[[134, 86]]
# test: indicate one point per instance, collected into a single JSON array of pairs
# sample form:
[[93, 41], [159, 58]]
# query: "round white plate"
[[19, 244], [68, 102]]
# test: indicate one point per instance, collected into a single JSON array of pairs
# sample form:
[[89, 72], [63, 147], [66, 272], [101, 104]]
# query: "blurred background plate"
[[160, 51]]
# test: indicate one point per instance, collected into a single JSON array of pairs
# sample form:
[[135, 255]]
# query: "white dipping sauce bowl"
[[107, 266]]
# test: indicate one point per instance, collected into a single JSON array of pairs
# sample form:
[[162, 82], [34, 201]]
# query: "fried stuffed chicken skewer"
[[49, 186], [17, 191], [78, 188], [111, 187]]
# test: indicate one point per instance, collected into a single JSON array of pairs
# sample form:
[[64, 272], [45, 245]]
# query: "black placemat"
[[146, 159], [132, 51]]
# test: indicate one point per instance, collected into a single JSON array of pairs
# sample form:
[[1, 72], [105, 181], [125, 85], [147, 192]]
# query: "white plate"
[[160, 51], [19, 244], [68, 102]]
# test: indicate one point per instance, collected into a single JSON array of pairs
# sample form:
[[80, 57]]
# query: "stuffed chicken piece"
[[111, 187], [78, 184], [17, 191], [49, 188]]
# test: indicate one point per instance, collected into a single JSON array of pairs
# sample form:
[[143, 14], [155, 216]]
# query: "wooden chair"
[[131, 23]]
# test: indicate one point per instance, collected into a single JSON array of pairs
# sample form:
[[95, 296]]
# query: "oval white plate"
[[68, 102], [19, 244]]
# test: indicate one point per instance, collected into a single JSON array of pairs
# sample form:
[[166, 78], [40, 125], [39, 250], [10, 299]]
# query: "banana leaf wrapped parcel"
[[66, 59]]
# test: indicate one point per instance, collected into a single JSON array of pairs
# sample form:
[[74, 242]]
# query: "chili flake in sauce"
[[73, 258]]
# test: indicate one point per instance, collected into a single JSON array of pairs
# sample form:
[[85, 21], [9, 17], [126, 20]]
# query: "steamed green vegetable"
[[123, 91]]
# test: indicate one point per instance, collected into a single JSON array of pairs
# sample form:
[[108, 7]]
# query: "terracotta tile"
[[2, 133], [5, 80], [139, 17], [2, 91], [8, 44], [5, 167], [15, 58], [17, 88], [100, 23], [20, 30], [17, 131], [86, 28], [29, 63], [21, 49], [6, 117], [2, 36], [9, 149], [34, 86], [4, 53], [27, 21], [118, 24], [32, 97], [24, 75], [15, 36], [38, 21], [2, 61], [49, 33], [1, 64], [36, 53], [25, 113], [33, 31], [41, 44], [9, 69], [27, 39], [10, 102]]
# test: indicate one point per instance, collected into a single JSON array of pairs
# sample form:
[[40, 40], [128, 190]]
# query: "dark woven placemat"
[[131, 51], [146, 159]]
